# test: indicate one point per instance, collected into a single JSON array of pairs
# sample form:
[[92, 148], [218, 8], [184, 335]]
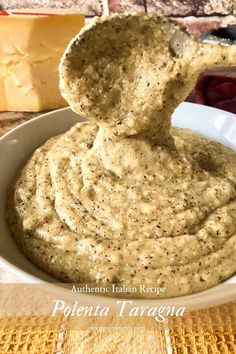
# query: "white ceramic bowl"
[[19, 144]]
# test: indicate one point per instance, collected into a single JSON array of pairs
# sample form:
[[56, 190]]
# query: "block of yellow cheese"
[[31, 45]]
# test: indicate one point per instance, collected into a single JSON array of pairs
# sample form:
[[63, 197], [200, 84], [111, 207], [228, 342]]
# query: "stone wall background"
[[197, 15]]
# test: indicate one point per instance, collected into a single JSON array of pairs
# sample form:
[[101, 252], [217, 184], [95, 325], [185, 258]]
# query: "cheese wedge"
[[31, 46]]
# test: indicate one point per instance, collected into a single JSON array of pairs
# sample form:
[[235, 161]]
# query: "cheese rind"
[[30, 51]]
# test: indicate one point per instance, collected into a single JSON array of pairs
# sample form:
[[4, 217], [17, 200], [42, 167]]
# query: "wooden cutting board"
[[9, 120]]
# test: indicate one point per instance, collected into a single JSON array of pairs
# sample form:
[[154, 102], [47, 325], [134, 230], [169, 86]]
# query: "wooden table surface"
[[9, 120]]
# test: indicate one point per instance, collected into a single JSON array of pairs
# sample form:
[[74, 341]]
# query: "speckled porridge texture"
[[128, 199]]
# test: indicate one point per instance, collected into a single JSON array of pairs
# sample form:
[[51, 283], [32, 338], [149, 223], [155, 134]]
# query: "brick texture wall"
[[189, 7], [197, 15], [88, 7]]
